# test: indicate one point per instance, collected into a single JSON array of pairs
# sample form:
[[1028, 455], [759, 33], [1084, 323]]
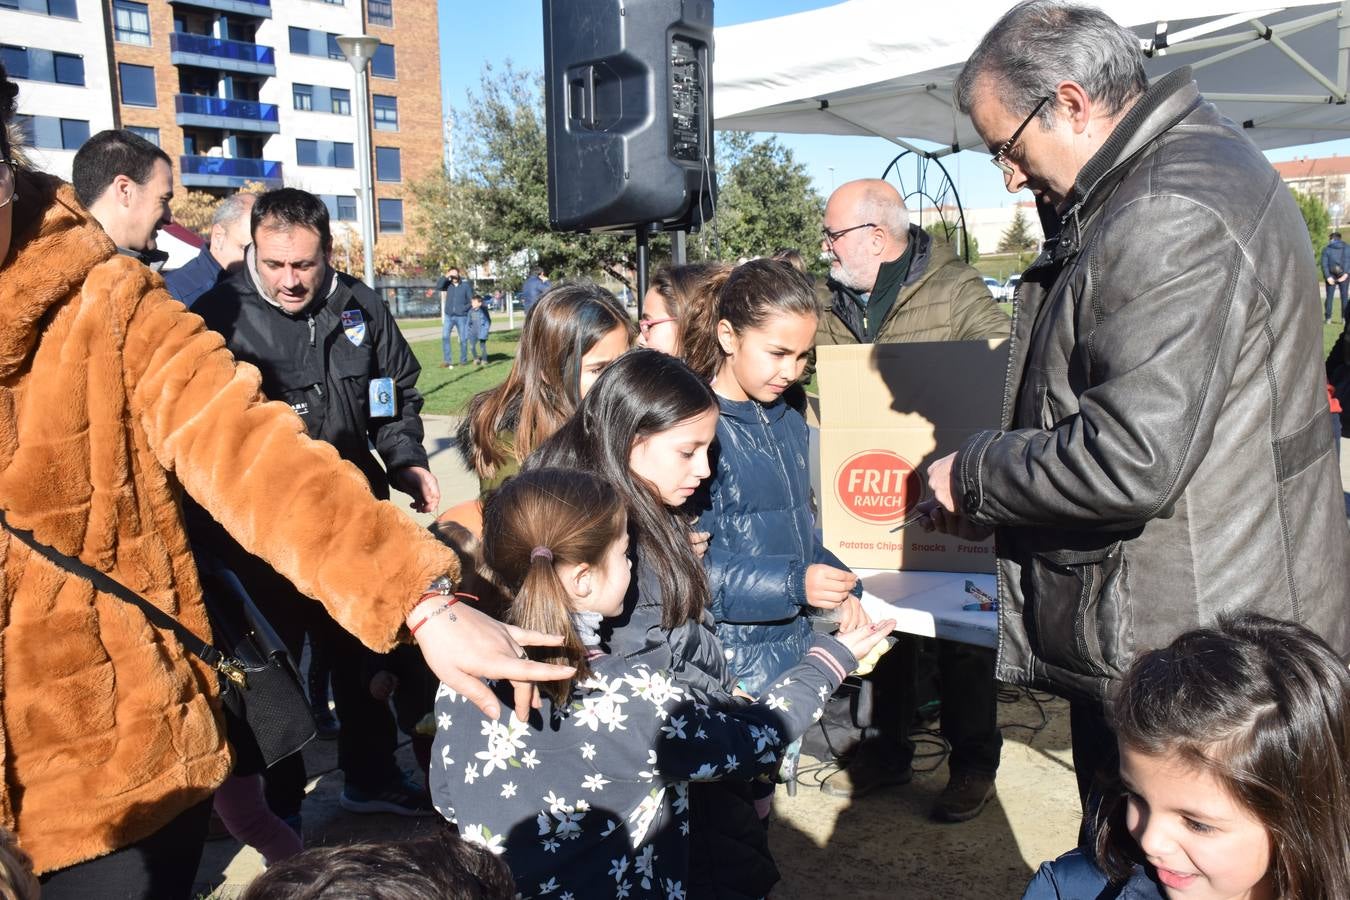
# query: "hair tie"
[[539, 552]]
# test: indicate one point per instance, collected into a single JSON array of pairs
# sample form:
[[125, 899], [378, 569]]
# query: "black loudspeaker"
[[628, 104]]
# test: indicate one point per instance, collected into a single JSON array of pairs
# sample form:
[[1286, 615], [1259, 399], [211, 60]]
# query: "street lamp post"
[[359, 49]]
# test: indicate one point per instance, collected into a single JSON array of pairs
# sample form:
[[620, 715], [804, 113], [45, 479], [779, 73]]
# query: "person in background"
[[892, 282], [456, 296], [327, 346], [535, 287], [230, 235], [126, 183], [1335, 262], [480, 326], [679, 315]]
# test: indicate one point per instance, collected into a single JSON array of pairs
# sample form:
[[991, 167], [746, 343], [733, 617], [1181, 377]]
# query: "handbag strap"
[[101, 582]]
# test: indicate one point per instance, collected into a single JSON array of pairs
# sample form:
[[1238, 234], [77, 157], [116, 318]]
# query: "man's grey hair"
[[232, 208], [1040, 43], [879, 206]]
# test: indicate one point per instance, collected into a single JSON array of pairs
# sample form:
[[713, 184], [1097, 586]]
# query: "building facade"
[[1327, 179], [237, 92]]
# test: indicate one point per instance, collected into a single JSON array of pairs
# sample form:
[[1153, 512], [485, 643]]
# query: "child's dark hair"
[[1262, 705], [543, 386], [537, 520], [690, 293], [642, 393], [762, 288], [438, 865]]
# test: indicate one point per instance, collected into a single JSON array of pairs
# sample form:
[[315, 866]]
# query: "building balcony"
[[220, 172], [233, 115], [261, 9], [221, 55]]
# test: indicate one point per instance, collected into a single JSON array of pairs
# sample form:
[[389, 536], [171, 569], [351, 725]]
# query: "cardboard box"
[[886, 412]]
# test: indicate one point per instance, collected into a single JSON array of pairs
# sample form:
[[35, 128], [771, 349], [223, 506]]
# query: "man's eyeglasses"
[[9, 170], [1002, 152], [646, 325], [832, 236]]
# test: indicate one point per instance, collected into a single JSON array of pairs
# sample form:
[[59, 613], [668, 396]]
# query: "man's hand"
[[828, 587], [421, 485], [462, 645], [940, 482], [938, 519]]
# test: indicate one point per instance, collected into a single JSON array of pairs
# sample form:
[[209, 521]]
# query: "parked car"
[[1009, 292], [994, 287]]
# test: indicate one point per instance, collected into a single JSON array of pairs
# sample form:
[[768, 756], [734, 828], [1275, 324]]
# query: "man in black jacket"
[[326, 344], [1165, 455]]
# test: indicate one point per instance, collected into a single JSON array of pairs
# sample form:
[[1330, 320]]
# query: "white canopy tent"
[[874, 67]]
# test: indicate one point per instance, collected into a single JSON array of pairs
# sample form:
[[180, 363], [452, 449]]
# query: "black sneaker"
[[964, 798], [326, 726], [402, 797]]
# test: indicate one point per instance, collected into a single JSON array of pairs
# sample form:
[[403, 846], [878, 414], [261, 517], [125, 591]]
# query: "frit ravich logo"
[[877, 486]]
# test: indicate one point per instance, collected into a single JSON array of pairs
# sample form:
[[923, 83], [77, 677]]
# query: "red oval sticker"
[[877, 486]]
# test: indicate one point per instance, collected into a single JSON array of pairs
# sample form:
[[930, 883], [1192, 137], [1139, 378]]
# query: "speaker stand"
[[643, 233]]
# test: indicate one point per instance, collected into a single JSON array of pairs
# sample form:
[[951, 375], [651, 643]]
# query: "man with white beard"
[[891, 281]]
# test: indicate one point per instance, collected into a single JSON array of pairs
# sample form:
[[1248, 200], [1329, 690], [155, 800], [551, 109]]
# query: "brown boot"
[[964, 798]]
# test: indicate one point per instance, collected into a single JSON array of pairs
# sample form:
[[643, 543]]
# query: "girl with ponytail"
[[590, 797]]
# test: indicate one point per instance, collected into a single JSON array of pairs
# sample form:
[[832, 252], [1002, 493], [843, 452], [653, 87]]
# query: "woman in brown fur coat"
[[113, 398]]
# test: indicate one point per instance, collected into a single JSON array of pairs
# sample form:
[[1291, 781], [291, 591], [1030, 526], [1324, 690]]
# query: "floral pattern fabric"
[[591, 799]]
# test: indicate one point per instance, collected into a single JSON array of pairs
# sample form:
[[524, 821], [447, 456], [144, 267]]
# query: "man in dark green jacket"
[[890, 281]]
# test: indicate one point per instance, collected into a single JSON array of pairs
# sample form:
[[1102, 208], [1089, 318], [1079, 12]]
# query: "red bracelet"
[[450, 601]]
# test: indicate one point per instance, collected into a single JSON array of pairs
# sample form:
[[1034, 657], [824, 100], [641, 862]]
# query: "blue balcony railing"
[[219, 170], [238, 51], [259, 8], [219, 107]]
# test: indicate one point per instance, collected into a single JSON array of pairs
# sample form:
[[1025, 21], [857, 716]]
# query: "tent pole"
[[1343, 61], [1296, 59]]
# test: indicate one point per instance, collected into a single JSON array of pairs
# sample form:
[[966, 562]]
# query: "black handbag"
[[267, 716]]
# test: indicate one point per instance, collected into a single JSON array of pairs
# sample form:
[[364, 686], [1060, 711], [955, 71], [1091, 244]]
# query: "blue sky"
[[474, 32]]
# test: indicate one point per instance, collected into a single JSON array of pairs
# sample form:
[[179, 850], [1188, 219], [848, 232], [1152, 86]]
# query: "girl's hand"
[[860, 641], [828, 587], [852, 615], [698, 540], [462, 645]]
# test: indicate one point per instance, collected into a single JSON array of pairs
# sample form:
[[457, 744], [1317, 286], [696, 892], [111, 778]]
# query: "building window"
[[382, 63], [302, 95], [386, 112], [63, 8], [131, 22], [380, 12], [340, 101], [332, 154], [307, 42], [42, 65], [388, 164], [340, 208], [150, 134], [391, 216], [51, 133], [138, 84]]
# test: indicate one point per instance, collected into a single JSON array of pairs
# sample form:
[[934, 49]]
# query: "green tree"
[[1018, 238], [1316, 218], [766, 202], [939, 230]]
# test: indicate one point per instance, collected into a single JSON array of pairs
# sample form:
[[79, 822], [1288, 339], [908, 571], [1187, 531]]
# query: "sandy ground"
[[881, 846]]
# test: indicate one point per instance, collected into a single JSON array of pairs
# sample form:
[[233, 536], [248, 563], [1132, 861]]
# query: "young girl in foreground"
[[590, 798], [1234, 770], [766, 568]]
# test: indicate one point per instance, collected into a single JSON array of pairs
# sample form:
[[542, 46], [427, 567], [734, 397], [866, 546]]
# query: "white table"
[[929, 604]]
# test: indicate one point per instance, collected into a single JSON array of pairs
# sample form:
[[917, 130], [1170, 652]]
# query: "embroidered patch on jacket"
[[354, 326]]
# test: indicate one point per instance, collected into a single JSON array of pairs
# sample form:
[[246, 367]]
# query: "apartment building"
[[1326, 178], [236, 91]]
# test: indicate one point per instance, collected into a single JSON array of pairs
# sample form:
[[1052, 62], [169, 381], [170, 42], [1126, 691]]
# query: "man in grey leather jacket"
[[1165, 453]]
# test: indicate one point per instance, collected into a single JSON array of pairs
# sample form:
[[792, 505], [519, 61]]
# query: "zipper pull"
[[311, 329]]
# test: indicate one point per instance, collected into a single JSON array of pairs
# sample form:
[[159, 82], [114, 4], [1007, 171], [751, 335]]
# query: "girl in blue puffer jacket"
[[766, 569]]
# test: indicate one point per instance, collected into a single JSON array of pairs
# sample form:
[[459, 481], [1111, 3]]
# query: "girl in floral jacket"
[[589, 798]]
